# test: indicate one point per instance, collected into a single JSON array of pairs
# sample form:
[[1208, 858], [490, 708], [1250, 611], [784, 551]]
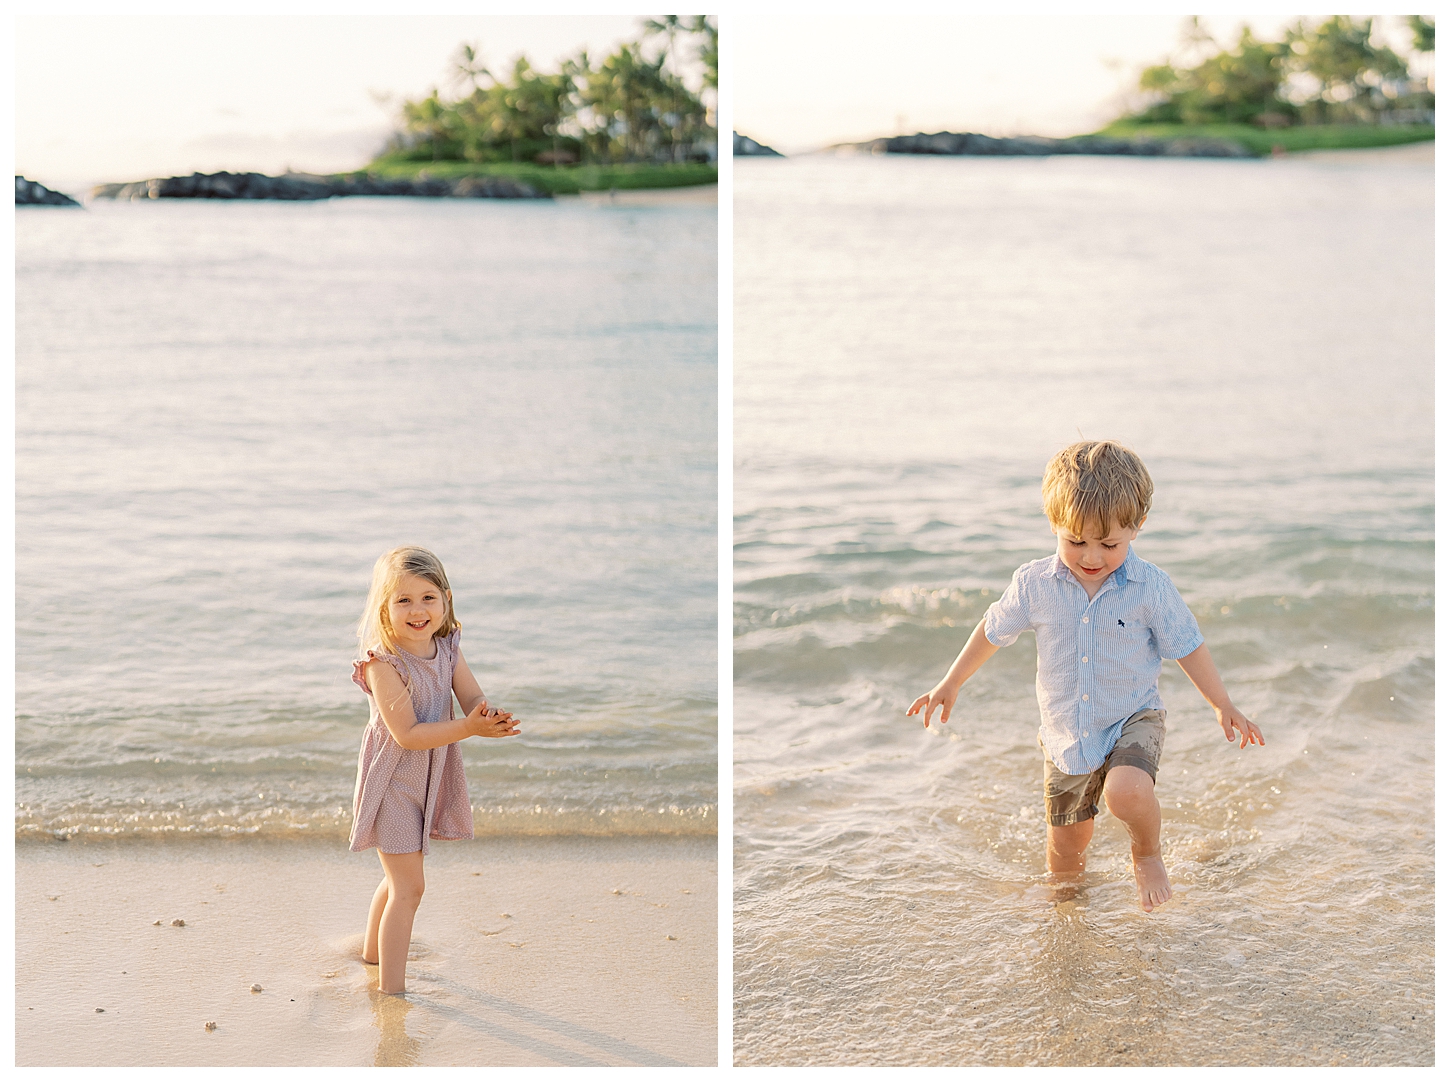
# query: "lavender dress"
[[405, 796]]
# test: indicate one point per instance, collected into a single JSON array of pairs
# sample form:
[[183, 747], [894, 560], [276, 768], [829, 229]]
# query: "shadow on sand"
[[397, 1049]]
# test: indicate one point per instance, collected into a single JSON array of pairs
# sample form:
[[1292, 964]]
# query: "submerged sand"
[[525, 952]]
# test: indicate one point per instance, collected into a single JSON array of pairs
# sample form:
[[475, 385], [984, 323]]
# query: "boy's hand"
[[1231, 719], [486, 721], [939, 696]]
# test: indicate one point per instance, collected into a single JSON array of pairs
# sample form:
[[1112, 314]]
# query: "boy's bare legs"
[[1065, 849], [375, 916], [1129, 795], [395, 928]]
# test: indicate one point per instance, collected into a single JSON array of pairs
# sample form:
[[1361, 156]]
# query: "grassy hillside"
[[1259, 141], [565, 180]]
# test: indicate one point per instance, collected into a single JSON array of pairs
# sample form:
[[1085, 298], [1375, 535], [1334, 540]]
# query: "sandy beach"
[[1407, 154], [694, 195], [581, 952]]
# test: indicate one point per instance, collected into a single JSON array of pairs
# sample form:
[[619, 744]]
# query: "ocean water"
[[227, 411], [914, 339]]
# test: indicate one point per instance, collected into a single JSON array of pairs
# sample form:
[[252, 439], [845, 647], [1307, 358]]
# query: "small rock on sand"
[[100, 1010], [256, 988], [669, 937], [156, 924], [178, 923], [210, 1026]]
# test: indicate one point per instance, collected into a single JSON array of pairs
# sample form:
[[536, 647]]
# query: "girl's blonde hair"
[[375, 630], [1096, 483]]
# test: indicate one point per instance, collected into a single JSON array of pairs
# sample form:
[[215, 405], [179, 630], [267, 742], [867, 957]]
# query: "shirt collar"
[[1133, 568]]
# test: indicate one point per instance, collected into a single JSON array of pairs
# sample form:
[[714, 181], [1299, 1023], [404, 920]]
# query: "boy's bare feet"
[[1064, 888], [1152, 877]]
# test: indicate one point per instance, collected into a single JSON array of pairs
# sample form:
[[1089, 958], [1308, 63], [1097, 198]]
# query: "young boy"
[[1104, 621]]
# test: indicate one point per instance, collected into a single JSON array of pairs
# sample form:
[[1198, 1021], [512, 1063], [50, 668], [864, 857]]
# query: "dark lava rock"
[[495, 188], [216, 186], [30, 194], [746, 147], [306, 186], [970, 143]]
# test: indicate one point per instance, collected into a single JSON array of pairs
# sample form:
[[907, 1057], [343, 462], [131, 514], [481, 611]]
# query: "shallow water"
[[914, 338], [226, 412]]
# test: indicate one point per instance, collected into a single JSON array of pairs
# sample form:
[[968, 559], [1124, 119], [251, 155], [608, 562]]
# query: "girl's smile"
[[417, 609]]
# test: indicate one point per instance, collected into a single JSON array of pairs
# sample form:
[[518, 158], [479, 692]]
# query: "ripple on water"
[[890, 902]]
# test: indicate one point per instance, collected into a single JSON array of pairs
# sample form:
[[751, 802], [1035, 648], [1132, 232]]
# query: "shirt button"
[[1084, 660], [1084, 698], [1084, 619]]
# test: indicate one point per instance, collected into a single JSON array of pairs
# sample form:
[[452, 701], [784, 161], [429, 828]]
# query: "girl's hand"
[[943, 696], [484, 720]]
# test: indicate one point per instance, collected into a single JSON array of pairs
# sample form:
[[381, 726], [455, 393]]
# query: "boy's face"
[[1092, 559]]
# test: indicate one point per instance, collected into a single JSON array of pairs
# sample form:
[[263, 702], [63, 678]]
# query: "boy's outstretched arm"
[[1200, 668], [944, 695]]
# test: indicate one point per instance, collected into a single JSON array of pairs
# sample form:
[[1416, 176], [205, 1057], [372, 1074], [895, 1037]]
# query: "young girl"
[[410, 784]]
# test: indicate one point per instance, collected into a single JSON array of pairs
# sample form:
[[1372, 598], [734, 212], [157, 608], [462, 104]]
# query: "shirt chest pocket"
[[1122, 636]]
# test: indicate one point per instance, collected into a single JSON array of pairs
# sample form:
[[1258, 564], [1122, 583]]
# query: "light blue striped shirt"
[[1098, 661]]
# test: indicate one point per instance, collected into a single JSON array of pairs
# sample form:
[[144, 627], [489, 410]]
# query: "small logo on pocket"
[[1121, 624]]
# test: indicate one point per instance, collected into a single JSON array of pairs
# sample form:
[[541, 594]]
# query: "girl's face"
[[416, 610]]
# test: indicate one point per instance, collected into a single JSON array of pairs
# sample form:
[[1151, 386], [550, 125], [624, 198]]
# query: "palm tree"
[[1338, 53], [1424, 31], [468, 66], [669, 26], [626, 107], [709, 49]]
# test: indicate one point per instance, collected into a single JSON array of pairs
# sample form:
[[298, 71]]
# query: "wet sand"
[[1406, 154], [607, 955], [693, 195]]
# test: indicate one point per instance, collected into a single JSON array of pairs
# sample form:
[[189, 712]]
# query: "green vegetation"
[[1330, 85], [640, 118], [556, 180], [1259, 141]]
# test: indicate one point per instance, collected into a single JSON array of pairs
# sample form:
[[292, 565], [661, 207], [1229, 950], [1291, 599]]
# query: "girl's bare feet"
[[1152, 877]]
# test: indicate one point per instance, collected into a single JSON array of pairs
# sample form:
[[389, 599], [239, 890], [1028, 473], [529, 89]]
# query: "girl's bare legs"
[[375, 915], [1129, 795], [404, 886]]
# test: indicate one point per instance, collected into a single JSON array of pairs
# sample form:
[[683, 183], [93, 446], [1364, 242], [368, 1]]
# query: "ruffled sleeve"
[[359, 667]]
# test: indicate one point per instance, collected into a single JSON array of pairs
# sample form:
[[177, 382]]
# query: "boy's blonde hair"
[[1096, 484], [375, 630]]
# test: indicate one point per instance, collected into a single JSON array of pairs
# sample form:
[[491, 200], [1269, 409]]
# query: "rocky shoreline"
[[29, 193], [746, 147], [970, 143], [309, 186]]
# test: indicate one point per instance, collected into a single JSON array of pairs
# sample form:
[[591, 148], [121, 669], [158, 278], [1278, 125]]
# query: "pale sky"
[[124, 97], [802, 81], [136, 95]]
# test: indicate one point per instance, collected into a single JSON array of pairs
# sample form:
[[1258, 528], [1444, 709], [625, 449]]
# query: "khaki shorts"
[[1071, 798]]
